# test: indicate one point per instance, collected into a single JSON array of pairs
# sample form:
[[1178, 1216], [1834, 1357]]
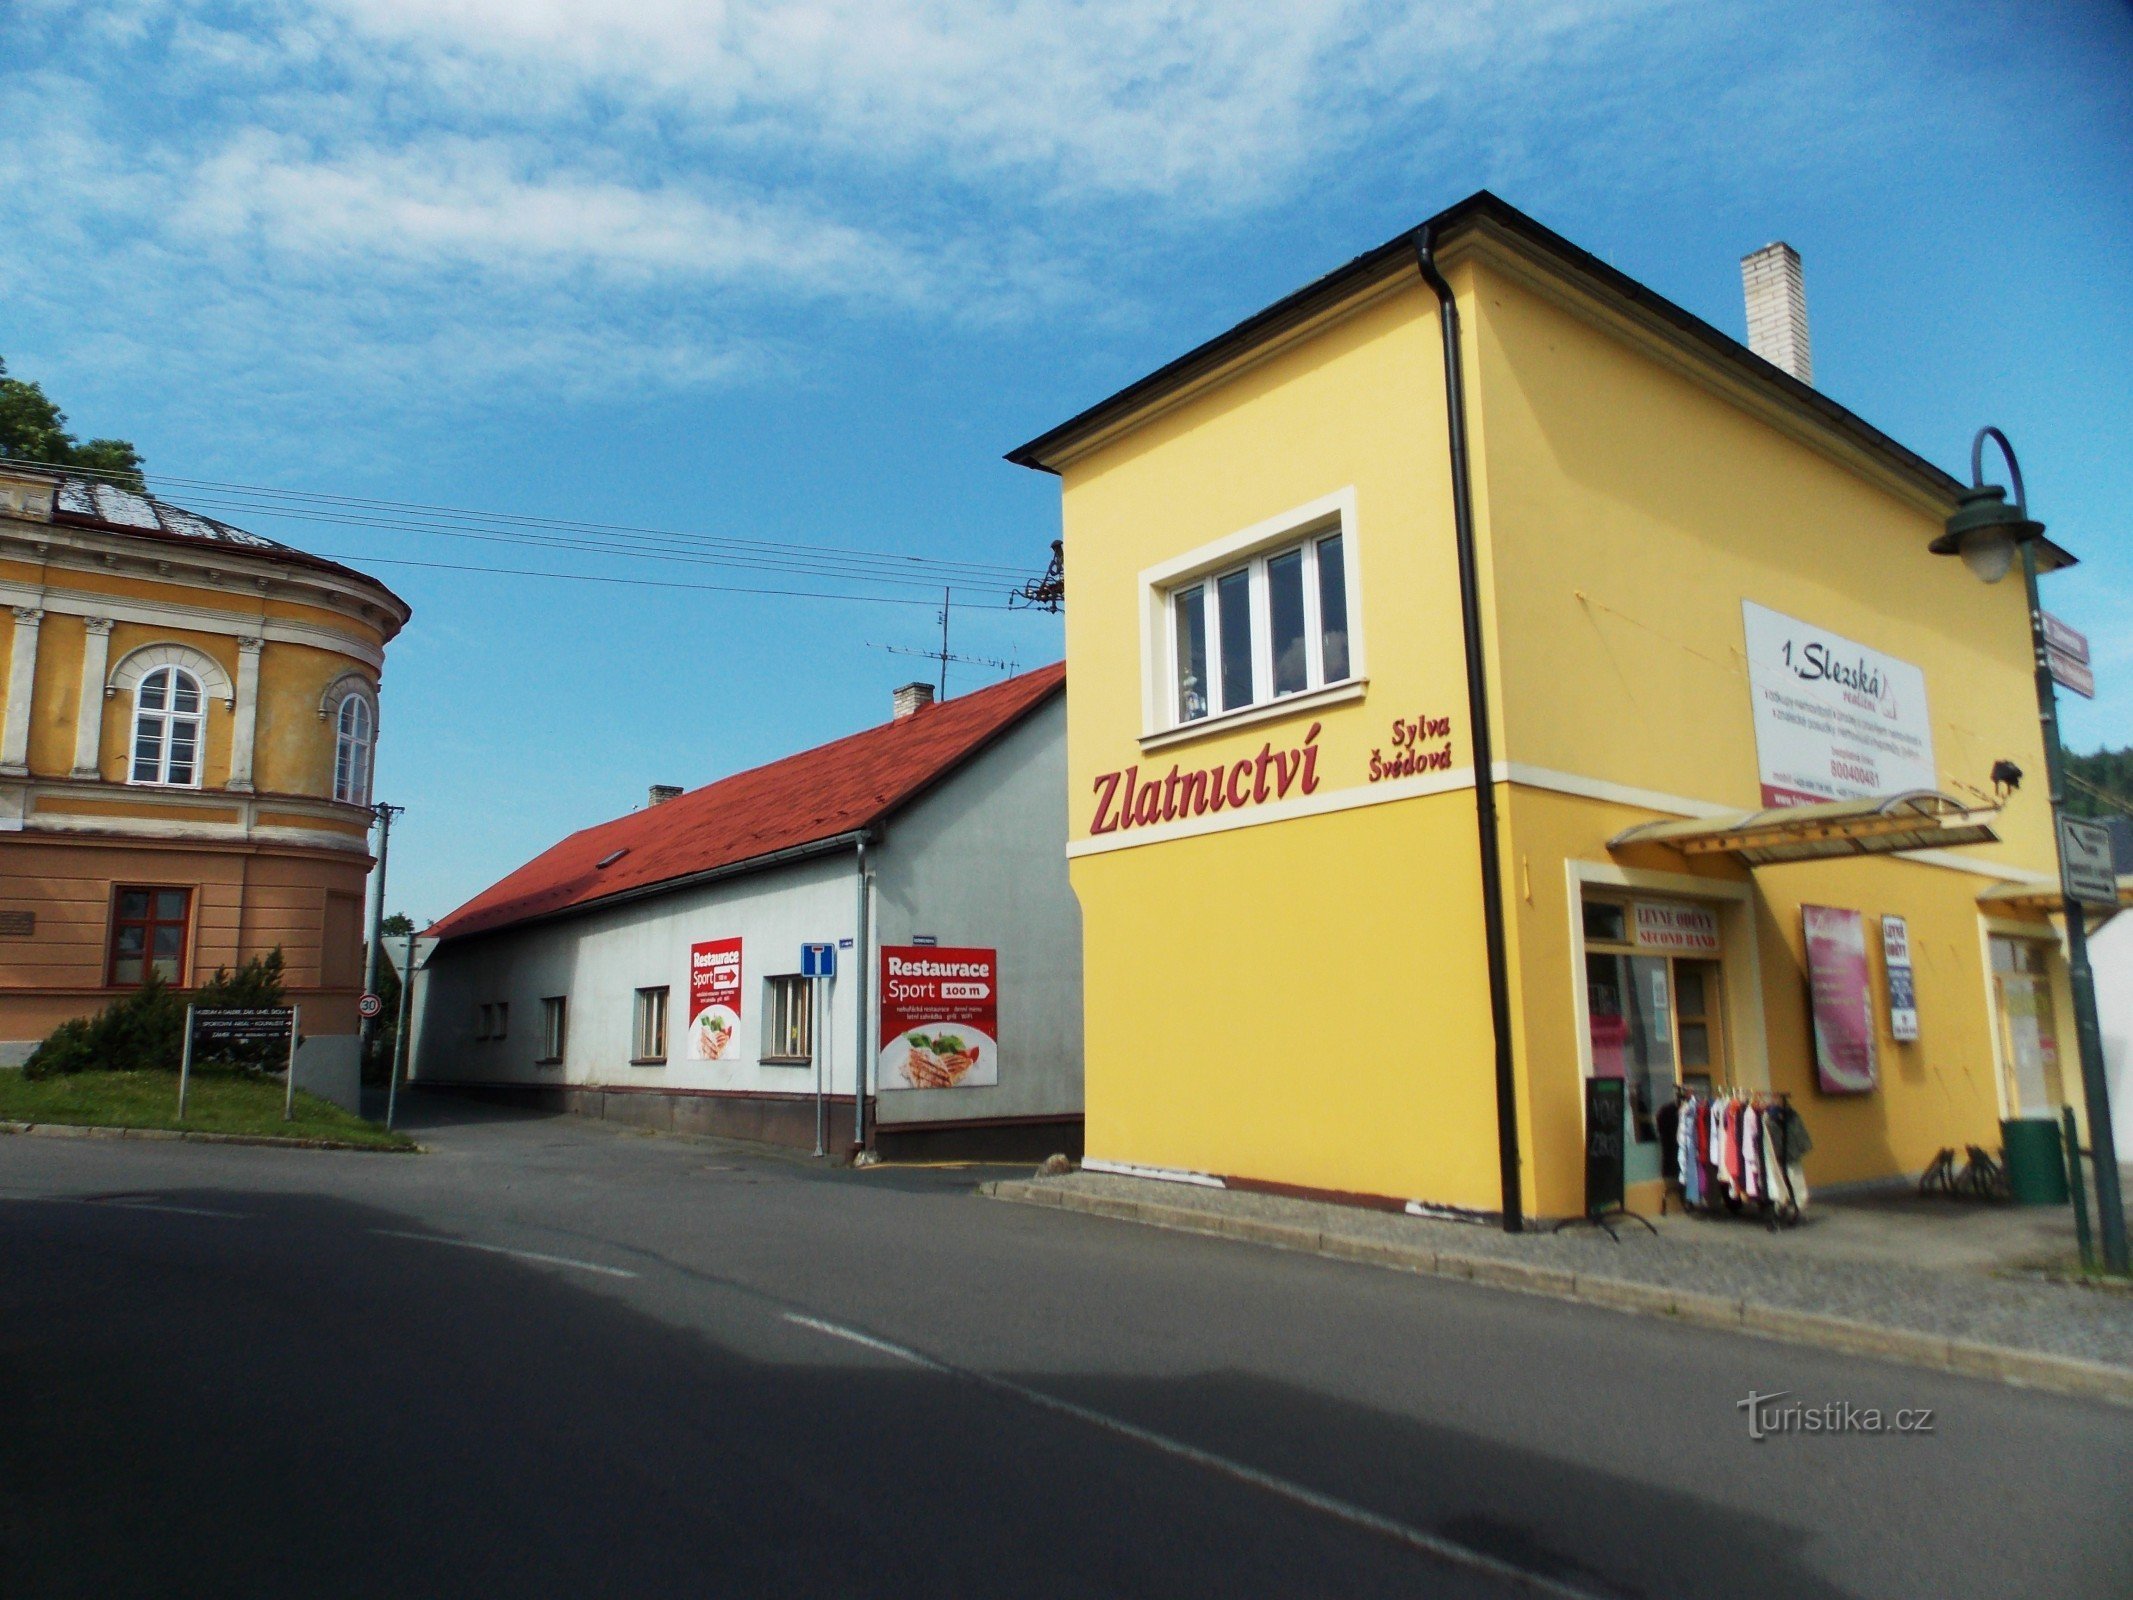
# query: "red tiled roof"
[[803, 799]]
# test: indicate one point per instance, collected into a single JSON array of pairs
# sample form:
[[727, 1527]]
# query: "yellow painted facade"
[[1293, 989], [97, 590]]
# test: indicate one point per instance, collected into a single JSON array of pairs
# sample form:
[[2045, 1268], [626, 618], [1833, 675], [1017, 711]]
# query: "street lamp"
[[1988, 534]]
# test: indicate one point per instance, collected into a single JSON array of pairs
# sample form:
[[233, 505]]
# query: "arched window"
[[351, 751], [169, 714]]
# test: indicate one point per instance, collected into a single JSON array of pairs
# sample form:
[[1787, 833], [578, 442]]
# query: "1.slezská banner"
[[1833, 719], [940, 1018], [714, 999], [1842, 1000]]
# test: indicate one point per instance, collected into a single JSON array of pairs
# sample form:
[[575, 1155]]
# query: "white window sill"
[[1269, 711], [786, 1061]]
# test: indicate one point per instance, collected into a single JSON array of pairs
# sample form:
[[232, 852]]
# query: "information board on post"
[[1834, 720], [214, 1025], [2085, 862], [940, 1017]]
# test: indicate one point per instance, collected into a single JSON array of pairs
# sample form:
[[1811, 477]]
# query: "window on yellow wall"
[[169, 716], [355, 737], [1273, 626]]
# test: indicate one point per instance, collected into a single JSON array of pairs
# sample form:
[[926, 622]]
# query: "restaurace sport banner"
[[940, 1017], [1833, 719], [714, 999]]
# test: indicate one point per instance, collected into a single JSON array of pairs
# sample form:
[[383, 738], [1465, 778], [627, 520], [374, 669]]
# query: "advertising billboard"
[[1842, 999], [714, 999], [1833, 719], [940, 1017]]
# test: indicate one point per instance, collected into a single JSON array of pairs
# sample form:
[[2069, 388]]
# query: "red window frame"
[[149, 919]]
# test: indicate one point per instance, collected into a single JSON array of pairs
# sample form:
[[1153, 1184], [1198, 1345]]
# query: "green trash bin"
[[2036, 1161]]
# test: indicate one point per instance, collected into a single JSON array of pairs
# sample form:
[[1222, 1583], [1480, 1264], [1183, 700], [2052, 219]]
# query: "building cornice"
[[242, 615], [139, 814], [237, 576]]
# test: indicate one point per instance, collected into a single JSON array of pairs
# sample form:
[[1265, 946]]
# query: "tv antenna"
[[944, 655]]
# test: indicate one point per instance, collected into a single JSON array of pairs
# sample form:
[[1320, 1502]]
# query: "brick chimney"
[[911, 697], [1777, 309], [663, 792]]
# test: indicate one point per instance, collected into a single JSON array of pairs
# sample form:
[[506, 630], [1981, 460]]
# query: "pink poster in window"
[[1842, 999]]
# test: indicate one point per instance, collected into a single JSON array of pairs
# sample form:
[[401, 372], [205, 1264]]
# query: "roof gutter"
[[1477, 707]]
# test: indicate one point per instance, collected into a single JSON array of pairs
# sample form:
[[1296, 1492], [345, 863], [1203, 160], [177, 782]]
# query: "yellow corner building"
[[188, 715], [1729, 696]]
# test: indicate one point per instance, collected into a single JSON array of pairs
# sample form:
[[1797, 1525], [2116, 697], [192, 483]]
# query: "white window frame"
[[780, 991], [1249, 549], [353, 750], [648, 1027], [165, 721], [555, 1029]]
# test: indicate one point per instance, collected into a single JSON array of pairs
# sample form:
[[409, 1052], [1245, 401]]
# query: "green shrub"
[[145, 1031], [141, 1033]]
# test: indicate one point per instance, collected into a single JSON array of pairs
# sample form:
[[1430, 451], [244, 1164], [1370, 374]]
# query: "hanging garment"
[[1773, 1169], [1751, 1164], [1685, 1149]]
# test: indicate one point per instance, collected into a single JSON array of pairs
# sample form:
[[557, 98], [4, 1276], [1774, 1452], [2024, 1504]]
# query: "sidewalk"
[[1927, 1282]]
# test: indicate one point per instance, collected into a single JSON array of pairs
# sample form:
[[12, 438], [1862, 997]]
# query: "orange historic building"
[[188, 714]]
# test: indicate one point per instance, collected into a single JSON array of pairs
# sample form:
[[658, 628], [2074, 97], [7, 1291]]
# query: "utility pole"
[[385, 815], [398, 1067], [944, 646]]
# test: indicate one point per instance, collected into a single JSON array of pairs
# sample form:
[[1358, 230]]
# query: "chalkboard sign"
[[1604, 1107]]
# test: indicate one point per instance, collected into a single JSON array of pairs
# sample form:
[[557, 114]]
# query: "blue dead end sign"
[[818, 961]]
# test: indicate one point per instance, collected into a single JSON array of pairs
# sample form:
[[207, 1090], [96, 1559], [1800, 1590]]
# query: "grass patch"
[[216, 1102]]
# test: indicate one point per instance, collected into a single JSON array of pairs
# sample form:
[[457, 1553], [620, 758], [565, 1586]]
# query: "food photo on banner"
[[714, 999], [1842, 999], [940, 1017]]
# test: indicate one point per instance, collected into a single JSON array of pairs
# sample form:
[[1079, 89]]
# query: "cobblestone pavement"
[[1733, 1258]]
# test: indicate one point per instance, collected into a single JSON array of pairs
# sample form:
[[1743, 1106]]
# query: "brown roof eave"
[[1483, 206]]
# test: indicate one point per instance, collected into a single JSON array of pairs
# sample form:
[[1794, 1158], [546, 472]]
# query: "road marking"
[[501, 1250], [135, 1202], [1428, 1544], [854, 1336]]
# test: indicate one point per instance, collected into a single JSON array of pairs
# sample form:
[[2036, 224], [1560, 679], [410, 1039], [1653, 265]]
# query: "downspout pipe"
[[862, 971], [1477, 710]]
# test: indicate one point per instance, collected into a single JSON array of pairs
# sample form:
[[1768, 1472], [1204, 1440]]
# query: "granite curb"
[[2003, 1363], [83, 1130]]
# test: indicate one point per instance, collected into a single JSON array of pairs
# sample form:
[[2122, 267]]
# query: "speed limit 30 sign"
[[370, 1006]]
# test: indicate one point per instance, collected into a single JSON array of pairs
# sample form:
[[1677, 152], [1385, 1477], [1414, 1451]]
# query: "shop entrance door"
[[1653, 1021], [2029, 1032]]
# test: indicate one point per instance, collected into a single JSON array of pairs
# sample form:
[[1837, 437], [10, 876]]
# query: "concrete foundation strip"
[[78, 1130], [2035, 1369]]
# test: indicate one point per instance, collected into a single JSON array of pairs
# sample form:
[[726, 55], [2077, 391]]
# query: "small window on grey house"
[[501, 1023], [649, 1042], [552, 1028], [789, 1024]]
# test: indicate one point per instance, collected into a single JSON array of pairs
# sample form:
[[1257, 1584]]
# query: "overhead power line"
[[828, 563]]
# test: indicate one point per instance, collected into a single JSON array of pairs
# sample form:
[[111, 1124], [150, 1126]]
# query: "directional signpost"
[[2085, 862], [2067, 651]]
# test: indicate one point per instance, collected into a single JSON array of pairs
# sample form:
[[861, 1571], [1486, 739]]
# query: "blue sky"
[[802, 271]]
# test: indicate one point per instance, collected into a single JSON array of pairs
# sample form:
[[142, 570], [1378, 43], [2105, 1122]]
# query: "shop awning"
[[1882, 824], [2035, 898]]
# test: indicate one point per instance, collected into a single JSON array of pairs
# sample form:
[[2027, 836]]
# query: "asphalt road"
[[553, 1358]]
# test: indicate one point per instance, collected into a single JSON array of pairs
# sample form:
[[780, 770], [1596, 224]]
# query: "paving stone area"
[[1736, 1259]]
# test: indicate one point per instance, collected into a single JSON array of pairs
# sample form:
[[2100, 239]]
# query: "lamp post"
[[1989, 534]]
